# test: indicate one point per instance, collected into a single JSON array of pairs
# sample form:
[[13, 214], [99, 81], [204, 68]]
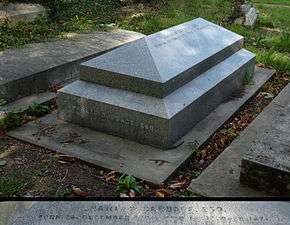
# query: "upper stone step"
[[160, 63]]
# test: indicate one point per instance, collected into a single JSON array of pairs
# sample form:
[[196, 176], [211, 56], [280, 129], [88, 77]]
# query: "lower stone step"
[[266, 165], [150, 120]]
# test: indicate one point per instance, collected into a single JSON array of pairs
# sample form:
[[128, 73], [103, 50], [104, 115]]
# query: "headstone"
[[251, 17], [154, 90], [21, 12], [159, 213]]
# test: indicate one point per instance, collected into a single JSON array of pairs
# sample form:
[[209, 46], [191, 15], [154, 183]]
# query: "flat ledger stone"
[[123, 155], [159, 213]]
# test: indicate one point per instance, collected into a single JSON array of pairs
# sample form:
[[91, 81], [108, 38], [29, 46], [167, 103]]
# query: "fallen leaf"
[[132, 193], [77, 191], [177, 185], [162, 192], [159, 194], [110, 177]]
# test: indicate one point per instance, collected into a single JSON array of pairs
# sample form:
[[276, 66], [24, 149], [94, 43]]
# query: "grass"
[[279, 16], [70, 16], [17, 182], [127, 183], [274, 2], [272, 49], [14, 119], [90, 15], [176, 12]]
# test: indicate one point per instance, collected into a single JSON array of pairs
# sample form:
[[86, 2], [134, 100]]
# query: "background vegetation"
[[270, 39]]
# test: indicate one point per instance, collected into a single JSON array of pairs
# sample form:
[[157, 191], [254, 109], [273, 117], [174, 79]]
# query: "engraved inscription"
[[160, 214], [105, 117]]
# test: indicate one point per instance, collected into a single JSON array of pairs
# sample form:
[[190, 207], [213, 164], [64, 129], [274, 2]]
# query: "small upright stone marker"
[[154, 90]]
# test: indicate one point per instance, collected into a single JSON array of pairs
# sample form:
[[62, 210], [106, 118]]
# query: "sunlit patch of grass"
[[274, 2], [275, 16], [71, 16], [175, 12], [272, 58], [279, 42]]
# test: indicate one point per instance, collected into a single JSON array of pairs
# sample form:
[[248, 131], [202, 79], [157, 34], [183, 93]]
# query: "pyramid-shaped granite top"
[[160, 63]]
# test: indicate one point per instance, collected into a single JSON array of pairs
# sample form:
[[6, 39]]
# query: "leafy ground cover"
[[64, 17], [27, 170]]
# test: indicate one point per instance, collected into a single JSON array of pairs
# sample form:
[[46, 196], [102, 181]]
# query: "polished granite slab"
[[160, 63]]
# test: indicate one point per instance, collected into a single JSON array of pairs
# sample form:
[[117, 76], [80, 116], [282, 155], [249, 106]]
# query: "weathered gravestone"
[[154, 90], [159, 213]]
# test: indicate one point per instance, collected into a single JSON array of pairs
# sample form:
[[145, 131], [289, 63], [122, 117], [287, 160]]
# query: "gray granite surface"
[[159, 213], [160, 63], [129, 157], [149, 120], [40, 66]]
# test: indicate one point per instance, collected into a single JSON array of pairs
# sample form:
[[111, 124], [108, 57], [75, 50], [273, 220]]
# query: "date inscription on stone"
[[141, 213]]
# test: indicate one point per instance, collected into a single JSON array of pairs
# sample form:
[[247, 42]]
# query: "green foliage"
[[65, 16], [2, 102], [232, 133], [274, 59], [280, 42], [37, 110], [62, 192], [274, 16], [11, 120], [10, 187], [195, 174], [19, 180], [175, 12], [194, 146], [127, 183], [249, 78]]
